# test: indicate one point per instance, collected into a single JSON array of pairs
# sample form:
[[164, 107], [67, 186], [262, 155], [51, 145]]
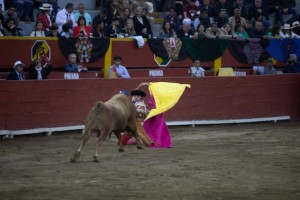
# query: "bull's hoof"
[[95, 159], [121, 150], [139, 147], [75, 157]]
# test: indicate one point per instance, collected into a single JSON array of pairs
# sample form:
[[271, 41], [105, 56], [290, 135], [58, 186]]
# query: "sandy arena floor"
[[212, 162]]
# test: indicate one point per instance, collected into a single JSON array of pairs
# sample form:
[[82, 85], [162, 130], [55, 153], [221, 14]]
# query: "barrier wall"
[[59, 103]]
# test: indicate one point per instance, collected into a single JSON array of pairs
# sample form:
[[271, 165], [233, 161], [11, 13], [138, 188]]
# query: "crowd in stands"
[[233, 19], [230, 19]]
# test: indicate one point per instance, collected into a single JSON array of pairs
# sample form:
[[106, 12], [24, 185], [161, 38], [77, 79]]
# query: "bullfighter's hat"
[[138, 93]]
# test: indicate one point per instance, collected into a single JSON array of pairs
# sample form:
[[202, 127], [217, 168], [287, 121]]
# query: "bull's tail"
[[90, 120]]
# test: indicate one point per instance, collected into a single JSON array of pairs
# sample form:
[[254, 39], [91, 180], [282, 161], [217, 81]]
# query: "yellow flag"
[[166, 95]]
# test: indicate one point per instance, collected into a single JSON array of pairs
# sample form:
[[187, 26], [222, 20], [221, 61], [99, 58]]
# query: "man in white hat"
[[287, 32], [45, 16], [17, 74]]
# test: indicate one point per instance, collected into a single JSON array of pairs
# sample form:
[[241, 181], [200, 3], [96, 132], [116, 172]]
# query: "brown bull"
[[116, 115]]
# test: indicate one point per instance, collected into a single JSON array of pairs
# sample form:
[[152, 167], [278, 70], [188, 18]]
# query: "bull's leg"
[[120, 143], [84, 138], [100, 140], [138, 141]]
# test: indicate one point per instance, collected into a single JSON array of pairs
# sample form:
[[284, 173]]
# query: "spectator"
[[2, 6], [185, 31], [114, 29], [203, 19], [54, 9], [191, 11], [17, 74], [82, 29], [128, 30], [25, 9], [65, 16], [196, 70], [273, 7], [293, 65], [117, 70], [1, 25], [119, 7], [38, 32], [224, 5], [241, 6], [286, 32], [200, 32], [53, 31], [11, 13], [286, 8], [177, 5], [167, 31], [40, 69], [173, 19], [45, 16], [104, 16], [83, 13], [258, 31], [240, 32], [10, 28], [258, 7], [258, 17], [124, 17], [237, 19], [213, 31], [208, 7], [141, 24], [221, 19], [274, 32], [265, 70], [98, 29], [72, 66], [147, 10], [66, 31], [227, 32]]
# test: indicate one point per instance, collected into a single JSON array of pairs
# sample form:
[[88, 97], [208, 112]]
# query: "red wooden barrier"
[[57, 103]]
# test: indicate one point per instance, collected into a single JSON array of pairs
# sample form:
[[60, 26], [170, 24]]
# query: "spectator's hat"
[[295, 24], [45, 6], [18, 63], [138, 93], [286, 26]]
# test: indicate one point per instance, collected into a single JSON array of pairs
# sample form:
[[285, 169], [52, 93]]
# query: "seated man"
[[117, 70], [293, 65], [264, 70], [40, 69], [72, 66], [196, 70], [17, 74]]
